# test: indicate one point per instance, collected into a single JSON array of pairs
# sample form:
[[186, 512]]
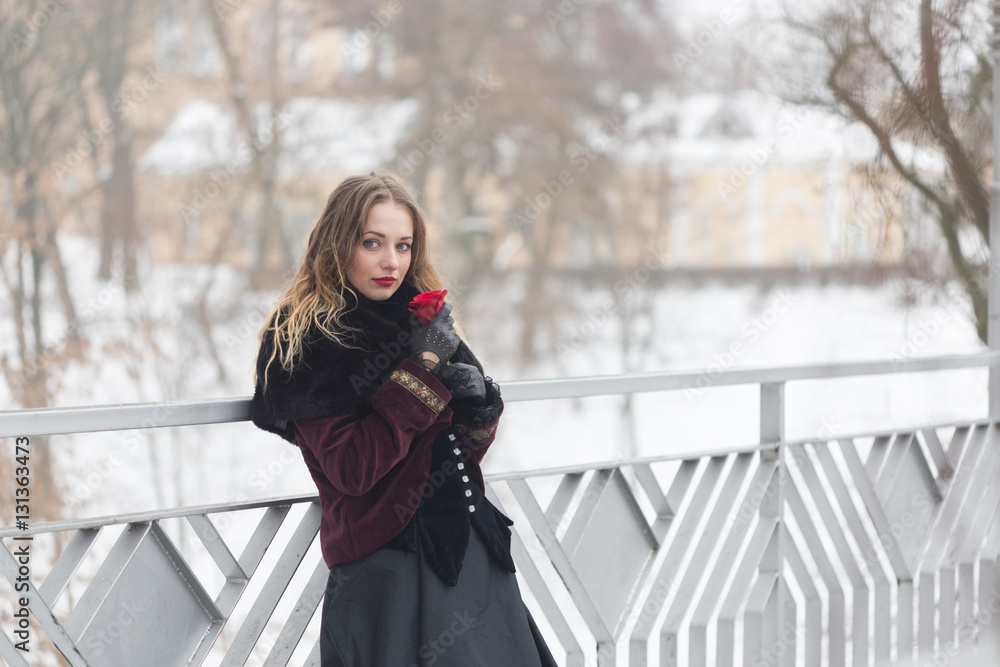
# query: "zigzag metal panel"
[[148, 603], [872, 550]]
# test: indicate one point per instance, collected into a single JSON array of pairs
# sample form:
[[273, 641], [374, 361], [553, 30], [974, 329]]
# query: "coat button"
[[457, 450], [460, 466], [472, 508], [468, 492], [451, 436], [465, 478]]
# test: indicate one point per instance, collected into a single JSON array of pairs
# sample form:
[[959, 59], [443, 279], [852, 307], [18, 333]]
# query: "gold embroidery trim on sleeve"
[[418, 389], [482, 433]]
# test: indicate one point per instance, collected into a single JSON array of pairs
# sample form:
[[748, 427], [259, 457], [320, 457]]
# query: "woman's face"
[[384, 251]]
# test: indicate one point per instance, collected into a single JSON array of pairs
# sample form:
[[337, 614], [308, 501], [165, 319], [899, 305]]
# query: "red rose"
[[425, 306]]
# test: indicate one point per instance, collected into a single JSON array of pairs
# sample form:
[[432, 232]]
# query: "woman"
[[393, 418]]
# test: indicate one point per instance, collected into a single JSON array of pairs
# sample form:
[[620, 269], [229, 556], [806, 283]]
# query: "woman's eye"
[[366, 241], [404, 244]]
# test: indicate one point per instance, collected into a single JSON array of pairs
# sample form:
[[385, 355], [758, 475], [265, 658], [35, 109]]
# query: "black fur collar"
[[330, 379]]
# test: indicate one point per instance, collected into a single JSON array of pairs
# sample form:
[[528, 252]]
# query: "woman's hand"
[[463, 381], [429, 359], [437, 338]]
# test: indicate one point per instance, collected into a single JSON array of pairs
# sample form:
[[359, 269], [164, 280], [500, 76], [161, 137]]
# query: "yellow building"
[[713, 180], [750, 181]]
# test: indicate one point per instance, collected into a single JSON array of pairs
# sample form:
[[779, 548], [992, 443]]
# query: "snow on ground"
[[700, 329]]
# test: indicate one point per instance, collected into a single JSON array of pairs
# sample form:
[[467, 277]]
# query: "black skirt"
[[389, 609]]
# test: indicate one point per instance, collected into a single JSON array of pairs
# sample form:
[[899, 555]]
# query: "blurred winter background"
[[613, 187]]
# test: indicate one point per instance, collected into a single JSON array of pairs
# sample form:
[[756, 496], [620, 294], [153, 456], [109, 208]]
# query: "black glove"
[[437, 336], [480, 412], [463, 381]]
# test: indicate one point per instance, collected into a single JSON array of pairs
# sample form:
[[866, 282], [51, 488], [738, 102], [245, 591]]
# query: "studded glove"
[[437, 336]]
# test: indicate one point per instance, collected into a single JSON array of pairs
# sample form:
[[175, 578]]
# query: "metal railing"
[[876, 548]]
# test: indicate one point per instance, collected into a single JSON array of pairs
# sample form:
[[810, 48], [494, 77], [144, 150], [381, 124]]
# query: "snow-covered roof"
[[321, 135], [719, 129], [318, 135], [202, 136], [343, 135]]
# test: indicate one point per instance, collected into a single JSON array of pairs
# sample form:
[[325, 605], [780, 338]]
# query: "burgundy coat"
[[371, 470]]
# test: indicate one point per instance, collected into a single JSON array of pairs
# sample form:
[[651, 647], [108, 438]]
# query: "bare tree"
[[518, 94], [41, 81], [264, 158], [42, 72], [915, 74], [113, 32]]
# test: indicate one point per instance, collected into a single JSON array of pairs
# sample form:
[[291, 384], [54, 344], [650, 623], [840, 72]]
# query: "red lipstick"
[[385, 282]]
